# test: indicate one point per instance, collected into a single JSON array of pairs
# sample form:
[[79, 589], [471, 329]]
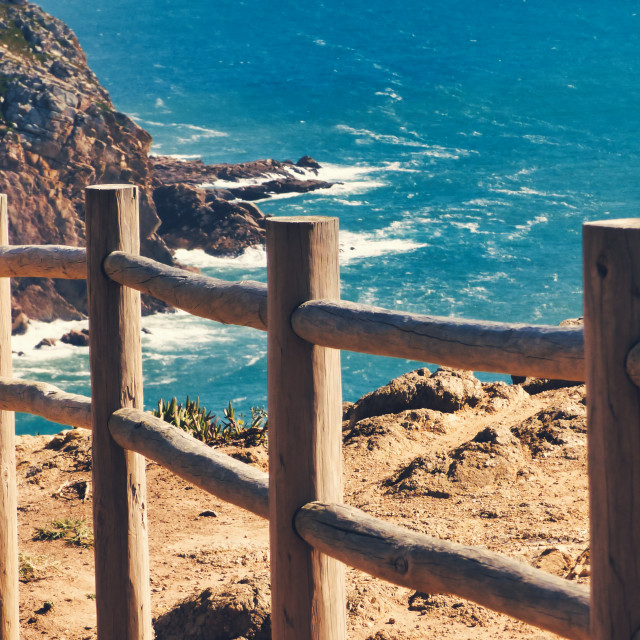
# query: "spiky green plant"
[[207, 428]]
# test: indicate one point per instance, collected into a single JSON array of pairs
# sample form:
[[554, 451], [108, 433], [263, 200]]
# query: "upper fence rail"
[[526, 350]]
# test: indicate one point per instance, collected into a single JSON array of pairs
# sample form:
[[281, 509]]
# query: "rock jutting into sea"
[[59, 132]]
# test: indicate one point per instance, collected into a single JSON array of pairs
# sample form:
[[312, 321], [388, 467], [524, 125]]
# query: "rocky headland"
[[59, 132]]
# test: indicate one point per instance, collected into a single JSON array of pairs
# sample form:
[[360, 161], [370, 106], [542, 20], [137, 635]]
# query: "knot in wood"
[[400, 564]]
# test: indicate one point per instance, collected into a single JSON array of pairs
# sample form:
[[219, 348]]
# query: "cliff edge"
[[59, 132]]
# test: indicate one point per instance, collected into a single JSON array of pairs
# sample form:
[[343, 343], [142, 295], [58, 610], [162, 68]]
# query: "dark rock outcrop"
[[195, 219], [170, 170], [76, 338]]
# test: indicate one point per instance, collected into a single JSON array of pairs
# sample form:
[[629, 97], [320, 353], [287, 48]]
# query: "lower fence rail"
[[427, 564]]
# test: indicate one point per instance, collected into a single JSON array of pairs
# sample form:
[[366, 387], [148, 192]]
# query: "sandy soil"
[[520, 488]]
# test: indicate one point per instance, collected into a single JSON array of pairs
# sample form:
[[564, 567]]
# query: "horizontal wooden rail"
[[46, 261], [542, 351], [539, 351], [242, 303], [46, 401], [180, 453], [426, 564]]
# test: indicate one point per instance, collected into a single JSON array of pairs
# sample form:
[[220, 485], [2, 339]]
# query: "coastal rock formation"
[[170, 170], [60, 132], [194, 218], [197, 215]]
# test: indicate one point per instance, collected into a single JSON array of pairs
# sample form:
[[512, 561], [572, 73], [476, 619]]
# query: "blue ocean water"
[[472, 141]]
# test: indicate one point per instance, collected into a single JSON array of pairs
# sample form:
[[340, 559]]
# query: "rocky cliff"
[[60, 132]]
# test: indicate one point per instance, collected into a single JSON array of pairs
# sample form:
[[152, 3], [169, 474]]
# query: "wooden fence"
[[311, 531]]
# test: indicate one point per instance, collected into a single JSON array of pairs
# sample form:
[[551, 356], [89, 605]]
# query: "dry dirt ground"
[[508, 474]]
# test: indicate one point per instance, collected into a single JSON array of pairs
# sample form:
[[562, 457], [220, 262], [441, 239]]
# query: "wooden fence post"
[[9, 616], [305, 443], [119, 491], [612, 328]]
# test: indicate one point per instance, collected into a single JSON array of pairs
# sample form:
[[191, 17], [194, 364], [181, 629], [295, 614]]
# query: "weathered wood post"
[[612, 328], [9, 617], [119, 491], [305, 444]]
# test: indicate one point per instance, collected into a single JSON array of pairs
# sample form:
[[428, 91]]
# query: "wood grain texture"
[[119, 492], [45, 400], [612, 328], [242, 303], [47, 261], [9, 616], [180, 453], [539, 351], [426, 564], [305, 457]]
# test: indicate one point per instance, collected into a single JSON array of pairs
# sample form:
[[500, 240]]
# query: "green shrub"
[[208, 428]]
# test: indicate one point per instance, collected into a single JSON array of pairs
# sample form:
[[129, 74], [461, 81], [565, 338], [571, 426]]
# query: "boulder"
[[494, 455], [19, 321], [239, 610], [76, 338], [447, 390]]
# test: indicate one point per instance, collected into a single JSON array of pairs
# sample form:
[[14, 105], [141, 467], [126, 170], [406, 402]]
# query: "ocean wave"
[[357, 246], [527, 191], [199, 132], [429, 150], [251, 258], [38, 330], [346, 179]]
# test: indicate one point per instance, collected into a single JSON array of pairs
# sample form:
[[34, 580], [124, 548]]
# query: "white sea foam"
[[347, 179], [199, 132], [486, 202], [178, 156], [541, 140], [429, 150], [251, 258], [37, 331], [353, 246], [389, 93], [169, 333], [356, 246], [526, 191], [473, 227]]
